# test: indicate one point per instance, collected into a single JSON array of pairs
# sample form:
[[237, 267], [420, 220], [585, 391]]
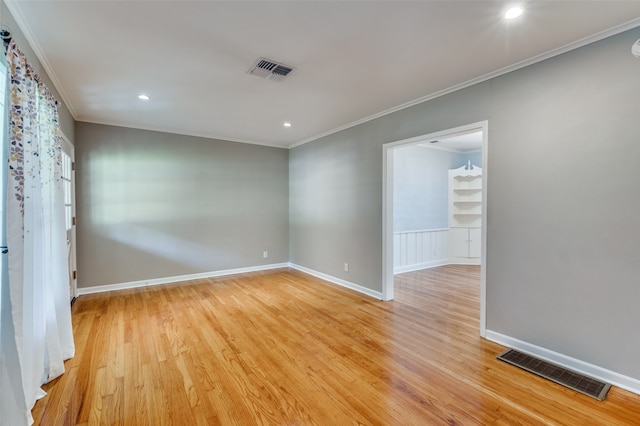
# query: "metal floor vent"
[[576, 381], [271, 70]]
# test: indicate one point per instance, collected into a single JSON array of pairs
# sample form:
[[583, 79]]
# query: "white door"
[[68, 178]]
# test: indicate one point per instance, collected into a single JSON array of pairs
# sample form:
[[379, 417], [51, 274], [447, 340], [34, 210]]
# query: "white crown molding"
[[26, 30], [429, 145], [37, 49], [437, 147], [608, 376], [173, 132], [522, 64], [473, 151]]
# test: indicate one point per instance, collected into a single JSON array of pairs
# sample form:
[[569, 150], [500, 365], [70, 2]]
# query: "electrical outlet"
[[346, 267], [265, 254]]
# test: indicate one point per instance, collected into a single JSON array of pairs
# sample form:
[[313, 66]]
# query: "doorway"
[[393, 150], [68, 181]]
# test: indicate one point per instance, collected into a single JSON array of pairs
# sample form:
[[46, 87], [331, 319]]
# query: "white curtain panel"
[[12, 401], [36, 238]]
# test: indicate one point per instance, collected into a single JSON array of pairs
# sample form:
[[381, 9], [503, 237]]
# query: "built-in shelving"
[[465, 214]]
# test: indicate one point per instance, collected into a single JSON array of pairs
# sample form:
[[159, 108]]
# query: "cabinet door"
[[459, 244], [475, 242]]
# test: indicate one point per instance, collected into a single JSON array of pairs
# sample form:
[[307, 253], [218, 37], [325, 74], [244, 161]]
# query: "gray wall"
[[563, 199], [335, 203], [474, 157], [156, 205], [420, 187], [66, 120]]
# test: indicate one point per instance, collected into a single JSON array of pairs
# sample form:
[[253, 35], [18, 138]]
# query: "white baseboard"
[[340, 282], [168, 280], [607, 376], [464, 261], [418, 266]]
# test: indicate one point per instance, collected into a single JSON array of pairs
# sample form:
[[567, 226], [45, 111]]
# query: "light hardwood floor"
[[284, 348]]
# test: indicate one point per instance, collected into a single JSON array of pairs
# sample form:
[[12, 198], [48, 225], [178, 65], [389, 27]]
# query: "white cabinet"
[[475, 243], [458, 242], [464, 245], [465, 215]]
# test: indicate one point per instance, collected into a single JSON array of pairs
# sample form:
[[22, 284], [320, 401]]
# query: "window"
[[66, 180], [3, 128], [3, 147], [3, 166]]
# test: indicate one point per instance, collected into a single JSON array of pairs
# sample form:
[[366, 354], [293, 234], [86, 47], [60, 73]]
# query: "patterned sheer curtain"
[[37, 325]]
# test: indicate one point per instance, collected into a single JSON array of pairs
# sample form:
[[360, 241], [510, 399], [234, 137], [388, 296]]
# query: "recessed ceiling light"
[[286, 124], [514, 12], [143, 97]]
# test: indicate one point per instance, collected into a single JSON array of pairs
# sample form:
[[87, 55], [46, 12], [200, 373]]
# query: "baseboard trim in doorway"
[[419, 266], [608, 376], [175, 279], [338, 281]]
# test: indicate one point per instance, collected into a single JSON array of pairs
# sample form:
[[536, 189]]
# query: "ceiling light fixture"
[[286, 124], [143, 97], [513, 13]]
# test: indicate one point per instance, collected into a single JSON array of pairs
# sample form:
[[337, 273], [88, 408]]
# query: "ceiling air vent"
[[271, 70]]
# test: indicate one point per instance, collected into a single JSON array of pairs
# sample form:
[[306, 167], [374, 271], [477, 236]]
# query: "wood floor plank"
[[284, 348]]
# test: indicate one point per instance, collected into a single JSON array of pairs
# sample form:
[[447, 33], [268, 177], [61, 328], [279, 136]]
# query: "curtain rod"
[[5, 35]]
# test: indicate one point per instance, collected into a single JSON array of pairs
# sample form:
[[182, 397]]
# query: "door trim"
[[70, 149], [387, 208]]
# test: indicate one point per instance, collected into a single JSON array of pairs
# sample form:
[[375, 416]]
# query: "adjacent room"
[[437, 202], [312, 212]]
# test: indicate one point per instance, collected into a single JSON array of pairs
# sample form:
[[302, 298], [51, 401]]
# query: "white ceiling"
[[460, 143], [354, 60]]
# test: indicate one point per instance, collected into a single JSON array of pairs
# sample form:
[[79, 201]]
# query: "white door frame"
[[70, 150], [387, 208]]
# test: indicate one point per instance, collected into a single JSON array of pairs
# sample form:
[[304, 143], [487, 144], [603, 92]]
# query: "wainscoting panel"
[[414, 250]]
